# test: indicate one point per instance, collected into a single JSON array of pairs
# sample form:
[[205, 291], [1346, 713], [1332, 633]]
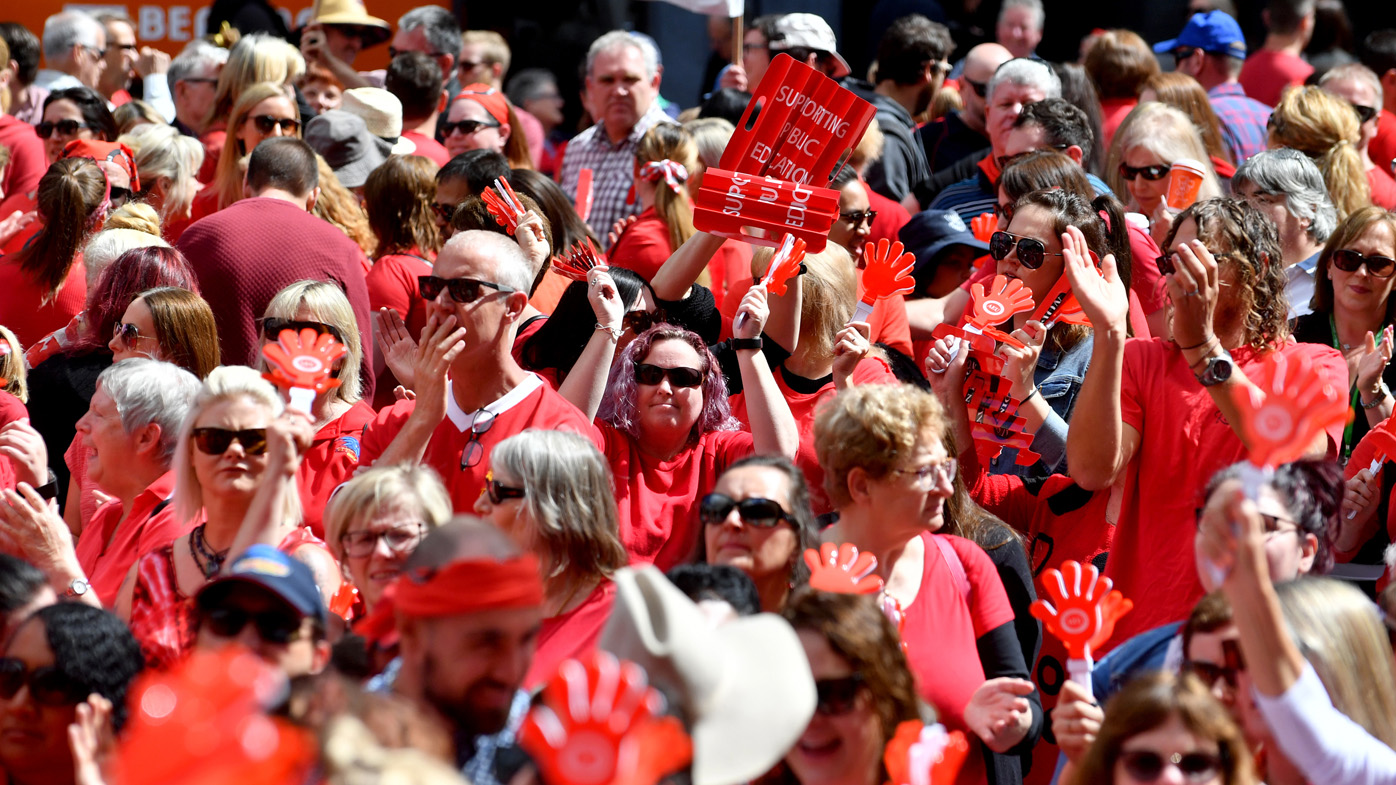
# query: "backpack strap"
[[952, 560]]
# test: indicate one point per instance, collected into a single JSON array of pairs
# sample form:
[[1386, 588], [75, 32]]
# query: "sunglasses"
[[836, 697], [473, 451], [64, 128], [466, 127], [1151, 173], [47, 685], [400, 539], [271, 627], [500, 493], [271, 327], [1365, 113], [757, 512], [215, 441], [1031, 251], [443, 211], [265, 123], [651, 375], [127, 332], [857, 217], [639, 321], [394, 52], [1184, 52], [463, 290], [1147, 765], [1348, 261], [980, 89], [1004, 212], [120, 196]]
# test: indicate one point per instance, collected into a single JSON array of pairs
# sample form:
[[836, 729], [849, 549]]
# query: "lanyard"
[[1347, 431]]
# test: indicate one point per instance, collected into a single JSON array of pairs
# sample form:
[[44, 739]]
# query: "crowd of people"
[[517, 464]]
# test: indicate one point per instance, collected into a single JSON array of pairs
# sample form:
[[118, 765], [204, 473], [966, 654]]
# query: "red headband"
[[470, 587], [494, 101]]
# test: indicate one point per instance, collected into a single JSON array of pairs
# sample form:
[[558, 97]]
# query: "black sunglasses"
[[394, 52], [120, 196], [836, 697], [1348, 261], [639, 321], [271, 327], [499, 493], [216, 441], [64, 127], [679, 377], [463, 290], [466, 127], [1031, 251], [271, 626], [758, 512], [1151, 173], [1184, 52], [443, 211], [47, 685], [265, 123], [1365, 113], [980, 89], [473, 450], [857, 217], [1147, 765]]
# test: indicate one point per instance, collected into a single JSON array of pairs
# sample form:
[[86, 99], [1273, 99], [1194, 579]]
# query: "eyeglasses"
[[501, 493], [463, 290], [473, 451], [64, 127], [933, 473], [1364, 113], [639, 321], [1348, 261], [272, 627], [265, 123], [980, 89], [199, 80], [271, 327], [47, 685], [651, 375], [857, 217], [216, 441], [1032, 252], [755, 48], [466, 65], [1151, 173], [1184, 52], [1147, 765], [1004, 212], [1209, 672], [400, 539], [836, 697], [394, 52], [760, 513], [443, 211], [466, 127], [98, 53]]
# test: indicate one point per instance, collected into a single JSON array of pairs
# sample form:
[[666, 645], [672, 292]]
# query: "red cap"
[[494, 101], [105, 151]]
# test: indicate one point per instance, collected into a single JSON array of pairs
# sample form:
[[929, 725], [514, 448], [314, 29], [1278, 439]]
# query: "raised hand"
[[1100, 292], [945, 367], [288, 438], [24, 446], [1193, 288], [842, 569], [532, 240], [999, 713], [397, 345], [581, 259], [441, 343], [851, 346], [605, 299], [1080, 612], [503, 204], [34, 529], [1020, 357], [1372, 364], [752, 313], [91, 739], [598, 725], [1076, 721], [924, 754], [618, 229], [1284, 413], [17, 220], [887, 271]]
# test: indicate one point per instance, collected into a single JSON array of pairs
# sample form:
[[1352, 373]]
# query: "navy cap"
[[1214, 32], [269, 568], [931, 231]]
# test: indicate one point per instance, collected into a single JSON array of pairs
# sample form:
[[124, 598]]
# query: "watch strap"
[[739, 344]]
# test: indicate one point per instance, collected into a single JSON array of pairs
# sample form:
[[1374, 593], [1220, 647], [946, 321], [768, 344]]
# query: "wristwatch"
[[1217, 370], [739, 344], [77, 588]]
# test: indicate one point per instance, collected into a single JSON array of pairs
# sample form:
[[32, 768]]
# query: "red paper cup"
[[1184, 183]]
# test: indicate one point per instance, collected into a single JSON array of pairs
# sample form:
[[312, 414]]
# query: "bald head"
[[980, 64], [463, 538]]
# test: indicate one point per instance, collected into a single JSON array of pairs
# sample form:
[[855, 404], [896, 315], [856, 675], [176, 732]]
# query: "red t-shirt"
[[392, 283], [20, 298], [1145, 281], [1266, 74], [1184, 441], [213, 142], [1383, 187], [657, 500], [24, 202], [644, 247], [532, 404], [549, 291], [1383, 147], [1113, 111], [109, 545], [428, 147], [11, 409], [728, 268], [570, 635], [332, 458], [27, 160]]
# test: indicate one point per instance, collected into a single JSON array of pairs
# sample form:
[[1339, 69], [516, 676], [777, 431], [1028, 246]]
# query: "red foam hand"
[[842, 569], [1287, 409], [983, 226], [887, 271], [785, 265], [924, 754], [581, 258], [1082, 609], [1376, 448], [503, 204], [1060, 305], [599, 725], [1002, 300], [343, 602], [303, 359], [584, 194]]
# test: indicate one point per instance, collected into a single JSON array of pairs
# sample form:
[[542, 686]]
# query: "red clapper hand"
[[584, 194], [1005, 298], [842, 569], [1376, 448], [598, 725], [301, 364], [924, 754], [343, 602], [887, 273], [1081, 613], [581, 259], [503, 204], [785, 264], [1060, 305], [1286, 411], [983, 226]]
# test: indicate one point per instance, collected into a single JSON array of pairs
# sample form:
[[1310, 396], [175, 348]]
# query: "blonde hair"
[[493, 47], [340, 206], [672, 142], [352, 754], [873, 427], [1167, 133], [164, 153], [327, 305], [224, 383], [1339, 631], [13, 374], [136, 216], [135, 113], [1325, 128], [254, 59], [380, 489], [228, 178], [110, 243], [711, 135], [828, 295], [946, 101]]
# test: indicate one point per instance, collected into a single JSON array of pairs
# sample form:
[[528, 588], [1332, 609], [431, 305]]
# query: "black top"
[[60, 390], [1315, 328]]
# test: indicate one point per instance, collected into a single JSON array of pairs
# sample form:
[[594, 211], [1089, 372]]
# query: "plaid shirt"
[[1242, 120], [612, 169]]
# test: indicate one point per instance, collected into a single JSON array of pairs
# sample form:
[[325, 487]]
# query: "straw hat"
[[351, 12], [382, 115]]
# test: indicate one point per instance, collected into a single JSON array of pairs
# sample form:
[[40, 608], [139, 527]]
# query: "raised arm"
[[31, 529], [684, 266], [585, 384], [288, 437], [773, 427]]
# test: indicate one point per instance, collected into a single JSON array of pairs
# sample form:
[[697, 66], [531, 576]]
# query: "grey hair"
[[527, 84], [1295, 176], [1026, 72], [1357, 72], [439, 26], [618, 38], [380, 489], [108, 244], [711, 135], [199, 60], [65, 30], [150, 391], [510, 266], [1033, 5]]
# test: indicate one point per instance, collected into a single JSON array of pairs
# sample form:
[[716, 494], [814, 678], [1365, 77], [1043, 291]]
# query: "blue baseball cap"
[[270, 569], [931, 231], [1213, 32]]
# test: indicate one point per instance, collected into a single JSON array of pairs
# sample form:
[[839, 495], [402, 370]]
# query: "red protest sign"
[[584, 194]]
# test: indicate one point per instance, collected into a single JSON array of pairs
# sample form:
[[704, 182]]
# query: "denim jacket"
[[1058, 377]]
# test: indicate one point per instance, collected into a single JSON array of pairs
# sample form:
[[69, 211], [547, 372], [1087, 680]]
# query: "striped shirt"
[[612, 169]]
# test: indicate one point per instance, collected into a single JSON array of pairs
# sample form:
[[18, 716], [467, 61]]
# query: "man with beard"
[[469, 607]]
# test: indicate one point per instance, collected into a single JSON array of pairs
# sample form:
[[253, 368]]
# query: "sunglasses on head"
[[64, 128], [265, 123], [120, 196], [466, 127], [980, 89], [1151, 173], [857, 217], [271, 327], [639, 321], [760, 513], [679, 377], [1147, 765], [216, 441], [835, 697], [463, 290], [47, 685], [1349, 261], [500, 493], [1031, 251], [271, 626], [1364, 113]]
